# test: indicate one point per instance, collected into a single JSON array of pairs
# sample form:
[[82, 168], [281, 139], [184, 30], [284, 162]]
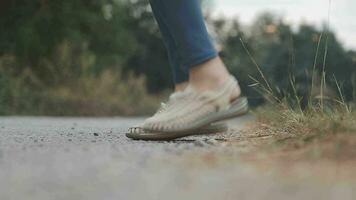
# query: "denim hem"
[[178, 79], [200, 59]]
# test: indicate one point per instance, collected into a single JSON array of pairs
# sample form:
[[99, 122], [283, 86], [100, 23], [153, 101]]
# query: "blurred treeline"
[[106, 57]]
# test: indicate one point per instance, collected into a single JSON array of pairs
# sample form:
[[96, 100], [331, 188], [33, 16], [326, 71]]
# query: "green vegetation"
[[288, 60], [313, 116], [106, 58], [315, 121], [72, 58]]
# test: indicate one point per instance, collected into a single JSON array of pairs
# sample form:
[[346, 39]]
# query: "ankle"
[[179, 87], [209, 74]]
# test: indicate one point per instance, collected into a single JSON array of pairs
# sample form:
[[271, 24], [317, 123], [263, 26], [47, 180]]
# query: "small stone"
[[69, 140], [96, 134]]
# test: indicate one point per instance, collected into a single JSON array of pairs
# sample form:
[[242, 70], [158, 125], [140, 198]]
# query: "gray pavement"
[[47, 158]]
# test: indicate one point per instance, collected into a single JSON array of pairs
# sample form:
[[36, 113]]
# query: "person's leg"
[[185, 22], [180, 74], [186, 37]]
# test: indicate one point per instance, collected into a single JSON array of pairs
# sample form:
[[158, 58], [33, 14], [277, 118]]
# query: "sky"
[[342, 13]]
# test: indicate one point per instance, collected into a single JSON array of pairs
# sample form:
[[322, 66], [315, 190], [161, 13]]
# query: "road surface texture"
[[46, 158]]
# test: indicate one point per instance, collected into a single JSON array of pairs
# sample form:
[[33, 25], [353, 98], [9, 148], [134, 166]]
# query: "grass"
[[324, 129], [318, 135]]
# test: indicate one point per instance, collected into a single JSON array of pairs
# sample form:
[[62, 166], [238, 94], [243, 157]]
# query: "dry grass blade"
[[257, 66], [342, 98], [323, 78]]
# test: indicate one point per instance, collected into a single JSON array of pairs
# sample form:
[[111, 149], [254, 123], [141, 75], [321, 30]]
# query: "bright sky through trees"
[[343, 13]]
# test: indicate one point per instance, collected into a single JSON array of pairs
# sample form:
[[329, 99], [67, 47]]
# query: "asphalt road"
[[47, 158]]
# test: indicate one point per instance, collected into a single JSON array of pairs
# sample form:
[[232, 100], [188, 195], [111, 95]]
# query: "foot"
[[194, 109], [209, 94]]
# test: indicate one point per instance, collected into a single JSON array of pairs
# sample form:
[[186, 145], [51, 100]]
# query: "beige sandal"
[[196, 110], [138, 133]]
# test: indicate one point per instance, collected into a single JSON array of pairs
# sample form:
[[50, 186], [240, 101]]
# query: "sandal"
[[138, 133], [197, 109]]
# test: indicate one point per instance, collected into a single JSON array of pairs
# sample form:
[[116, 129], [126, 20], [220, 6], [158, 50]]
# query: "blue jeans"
[[184, 33]]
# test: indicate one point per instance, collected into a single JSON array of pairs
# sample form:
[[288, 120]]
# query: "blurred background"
[[106, 57]]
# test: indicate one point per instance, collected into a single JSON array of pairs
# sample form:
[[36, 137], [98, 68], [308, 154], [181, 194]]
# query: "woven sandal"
[[198, 109], [138, 133]]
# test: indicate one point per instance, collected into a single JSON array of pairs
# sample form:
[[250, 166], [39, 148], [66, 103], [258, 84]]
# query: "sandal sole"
[[160, 136]]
